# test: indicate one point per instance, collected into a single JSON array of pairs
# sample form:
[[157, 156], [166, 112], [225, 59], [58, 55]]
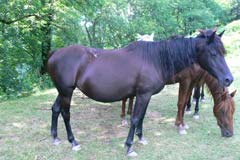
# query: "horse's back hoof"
[[186, 126], [76, 148], [132, 154], [196, 117], [182, 132], [203, 100], [124, 123], [143, 141], [56, 141], [188, 112]]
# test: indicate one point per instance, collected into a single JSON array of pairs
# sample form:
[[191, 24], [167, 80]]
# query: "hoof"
[[194, 101], [76, 148], [124, 123], [132, 154], [196, 117], [186, 126], [188, 112], [182, 131], [143, 141], [56, 141], [203, 100]]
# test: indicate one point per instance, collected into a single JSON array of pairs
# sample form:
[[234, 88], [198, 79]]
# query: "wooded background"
[[30, 29]]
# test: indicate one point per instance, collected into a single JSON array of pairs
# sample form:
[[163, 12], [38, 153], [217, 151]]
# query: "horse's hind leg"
[[55, 113], [188, 109], [123, 114], [130, 105], [65, 111], [197, 97], [202, 93]]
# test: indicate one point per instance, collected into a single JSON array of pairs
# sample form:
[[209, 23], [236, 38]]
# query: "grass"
[[25, 129]]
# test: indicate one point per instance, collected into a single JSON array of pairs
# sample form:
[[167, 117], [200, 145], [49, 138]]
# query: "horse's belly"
[[108, 86], [107, 92]]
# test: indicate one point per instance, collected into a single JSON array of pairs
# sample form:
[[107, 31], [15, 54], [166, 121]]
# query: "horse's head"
[[210, 55], [223, 111]]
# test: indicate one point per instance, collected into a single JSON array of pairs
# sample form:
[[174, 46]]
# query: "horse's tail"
[[51, 53], [43, 69]]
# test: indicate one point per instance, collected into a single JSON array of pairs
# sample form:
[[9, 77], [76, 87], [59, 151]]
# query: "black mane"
[[169, 56]]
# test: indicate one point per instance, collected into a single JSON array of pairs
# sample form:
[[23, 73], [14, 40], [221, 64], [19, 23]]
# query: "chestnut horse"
[[101, 75], [223, 102]]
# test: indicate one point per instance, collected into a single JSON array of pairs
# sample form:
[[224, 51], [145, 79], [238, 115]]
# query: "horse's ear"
[[211, 38], [215, 29], [233, 93], [201, 31], [220, 34], [224, 95]]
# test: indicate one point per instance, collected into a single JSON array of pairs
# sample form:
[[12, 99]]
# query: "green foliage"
[[30, 29], [231, 38]]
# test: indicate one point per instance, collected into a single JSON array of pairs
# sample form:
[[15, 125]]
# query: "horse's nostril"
[[228, 134], [228, 81]]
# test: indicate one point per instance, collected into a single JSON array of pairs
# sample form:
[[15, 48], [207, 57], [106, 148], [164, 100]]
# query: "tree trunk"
[[46, 42]]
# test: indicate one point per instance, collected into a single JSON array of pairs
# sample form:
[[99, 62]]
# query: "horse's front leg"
[[139, 133], [183, 95], [137, 117]]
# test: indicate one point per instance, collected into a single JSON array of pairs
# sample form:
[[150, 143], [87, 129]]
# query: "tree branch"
[[18, 19]]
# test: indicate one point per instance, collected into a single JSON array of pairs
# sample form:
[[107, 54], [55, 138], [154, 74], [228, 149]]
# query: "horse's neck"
[[214, 87]]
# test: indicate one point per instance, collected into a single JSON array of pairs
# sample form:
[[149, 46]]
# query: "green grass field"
[[25, 129]]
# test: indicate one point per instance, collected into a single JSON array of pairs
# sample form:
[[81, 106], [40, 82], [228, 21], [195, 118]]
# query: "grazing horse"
[[223, 101], [101, 75]]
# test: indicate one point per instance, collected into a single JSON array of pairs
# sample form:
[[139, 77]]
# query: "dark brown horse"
[[195, 76], [140, 69]]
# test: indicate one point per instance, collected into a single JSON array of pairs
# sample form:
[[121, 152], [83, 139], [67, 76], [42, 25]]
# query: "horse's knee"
[[55, 109], [134, 121], [65, 114], [181, 104]]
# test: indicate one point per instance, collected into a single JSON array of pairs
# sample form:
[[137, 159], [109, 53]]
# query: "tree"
[[235, 11]]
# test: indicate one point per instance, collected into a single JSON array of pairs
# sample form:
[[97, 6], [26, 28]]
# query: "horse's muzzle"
[[227, 133], [228, 81]]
